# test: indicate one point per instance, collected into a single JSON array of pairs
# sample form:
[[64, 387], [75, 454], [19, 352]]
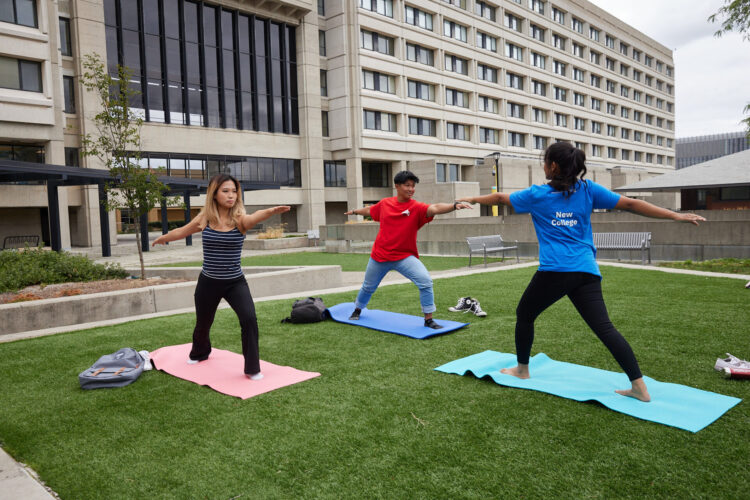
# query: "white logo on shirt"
[[564, 219], [406, 212]]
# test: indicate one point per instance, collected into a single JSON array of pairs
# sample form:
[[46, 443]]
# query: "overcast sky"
[[712, 83]]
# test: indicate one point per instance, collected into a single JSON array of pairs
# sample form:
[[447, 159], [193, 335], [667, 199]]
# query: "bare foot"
[[520, 371], [638, 391]]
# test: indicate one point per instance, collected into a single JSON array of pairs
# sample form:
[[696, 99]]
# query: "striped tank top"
[[221, 253]]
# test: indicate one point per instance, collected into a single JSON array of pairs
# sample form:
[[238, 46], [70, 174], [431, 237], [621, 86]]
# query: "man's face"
[[406, 190]]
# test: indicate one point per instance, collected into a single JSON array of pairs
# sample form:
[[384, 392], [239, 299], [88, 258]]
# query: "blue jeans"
[[411, 268]]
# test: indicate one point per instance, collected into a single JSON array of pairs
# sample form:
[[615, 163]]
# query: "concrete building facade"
[[329, 98]]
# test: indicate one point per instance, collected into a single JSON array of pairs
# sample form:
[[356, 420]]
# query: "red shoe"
[[738, 373]]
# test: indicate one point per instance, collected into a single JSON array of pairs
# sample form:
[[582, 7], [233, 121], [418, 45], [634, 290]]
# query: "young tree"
[[735, 16], [118, 144]]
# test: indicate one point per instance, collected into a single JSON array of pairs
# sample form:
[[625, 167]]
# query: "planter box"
[[276, 243]]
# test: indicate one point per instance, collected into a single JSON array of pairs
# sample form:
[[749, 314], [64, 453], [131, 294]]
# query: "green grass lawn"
[[380, 422], [734, 266], [347, 261]]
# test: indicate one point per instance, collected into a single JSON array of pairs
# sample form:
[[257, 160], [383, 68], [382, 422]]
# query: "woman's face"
[[226, 195]]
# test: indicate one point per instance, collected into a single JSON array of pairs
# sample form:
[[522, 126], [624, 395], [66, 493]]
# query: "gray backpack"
[[113, 370]]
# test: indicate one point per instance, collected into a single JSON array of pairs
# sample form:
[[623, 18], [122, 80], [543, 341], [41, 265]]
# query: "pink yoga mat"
[[223, 371]]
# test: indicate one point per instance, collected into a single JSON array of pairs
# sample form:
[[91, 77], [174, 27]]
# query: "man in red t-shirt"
[[395, 246]]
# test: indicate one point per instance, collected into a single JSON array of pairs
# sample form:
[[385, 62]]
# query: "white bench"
[[625, 241], [488, 244]]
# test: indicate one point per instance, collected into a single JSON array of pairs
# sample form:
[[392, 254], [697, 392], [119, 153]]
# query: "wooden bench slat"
[[625, 241]]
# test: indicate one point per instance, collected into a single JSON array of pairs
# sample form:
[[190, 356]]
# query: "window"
[[624, 48], [637, 55], [637, 155], [539, 88], [537, 5], [375, 174], [581, 146], [321, 7], [537, 32], [611, 131], [513, 80], [485, 41], [322, 42], [488, 104], [579, 124], [649, 138], [578, 74], [659, 103], [611, 86], [324, 123], [609, 42], [540, 142], [625, 154], [594, 33], [596, 104], [576, 25], [595, 57], [515, 110], [457, 131], [489, 135], [72, 157], [649, 81], [596, 150], [421, 90], [513, 51], [637, 95], [611, 152], [558, 41], [611, 108], [66, 43], [561, 120], [377, 42], [659, 140], [323, 83], [512, 22], [637, 136], [20, 74], [69, 93], [381, 82], [419, 54], [454, 30], [649, 100], [660, 122], [561, 94], [538, 60], [418, 18], [458, 3], [455, 97], [624, 91], [669, 142], [484, 10], [660, 66], [422, 126], [624, 133], [649, 157], [578, 50], [540, 115], [624, 68], [624, 112], [379, 120], [384, 7], [558, 68], [516, 139], [596, 127], [648, 61], [21, 12], [670, 71], [486, 73], [457, 64], [558, 15], [447, 172], [579, 99], [335, 173], [637, 115], [637, 75]]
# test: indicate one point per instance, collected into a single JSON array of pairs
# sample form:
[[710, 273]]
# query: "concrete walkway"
[[19, 482]]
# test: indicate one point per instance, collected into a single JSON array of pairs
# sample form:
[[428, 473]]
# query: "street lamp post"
[[496, 156]]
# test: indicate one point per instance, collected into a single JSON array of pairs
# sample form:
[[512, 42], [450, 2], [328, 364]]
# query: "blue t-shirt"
[[563, 224]]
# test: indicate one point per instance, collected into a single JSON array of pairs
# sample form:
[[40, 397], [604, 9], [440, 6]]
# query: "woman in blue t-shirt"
[[561, 212]]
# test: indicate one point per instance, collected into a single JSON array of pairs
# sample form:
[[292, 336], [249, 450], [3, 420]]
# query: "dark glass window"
[[66, 45], [20, 74], [19, 12], [335, 173], [324, 123], [375, 174], [72, 157], [69, 94], [22, 152]]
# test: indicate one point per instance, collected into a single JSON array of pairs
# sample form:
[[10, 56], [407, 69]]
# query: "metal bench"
[[625, 241], [488, 244], [21, 241], [314, 236]]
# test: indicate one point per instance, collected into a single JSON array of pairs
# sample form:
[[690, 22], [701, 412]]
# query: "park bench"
[[20, 241], [625, 241], [488, 244]]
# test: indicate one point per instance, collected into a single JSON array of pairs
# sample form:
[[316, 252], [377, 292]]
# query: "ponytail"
[[571, 166]]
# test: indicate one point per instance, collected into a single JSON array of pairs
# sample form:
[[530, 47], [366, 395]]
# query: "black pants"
[[585, 292], [208, 294]]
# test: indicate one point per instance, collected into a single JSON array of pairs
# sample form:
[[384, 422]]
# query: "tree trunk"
[[140, 250]]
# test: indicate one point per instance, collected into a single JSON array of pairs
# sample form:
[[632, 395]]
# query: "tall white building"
[[329, 99]]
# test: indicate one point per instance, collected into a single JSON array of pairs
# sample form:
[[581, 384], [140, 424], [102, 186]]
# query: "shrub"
[[272, 232], [19, 269]]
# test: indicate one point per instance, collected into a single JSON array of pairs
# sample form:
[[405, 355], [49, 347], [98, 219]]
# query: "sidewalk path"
[[19, 482]]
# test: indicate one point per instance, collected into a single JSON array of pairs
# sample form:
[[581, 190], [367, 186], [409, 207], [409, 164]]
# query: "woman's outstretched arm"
[[248, 221], [488, 199], [178, 233], [650, 210]]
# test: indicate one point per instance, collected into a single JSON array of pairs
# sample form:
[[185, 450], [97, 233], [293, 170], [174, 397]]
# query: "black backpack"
[[309, 310]]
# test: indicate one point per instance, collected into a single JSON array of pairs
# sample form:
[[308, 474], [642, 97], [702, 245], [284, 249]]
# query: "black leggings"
[[208, 294], [585, 292]]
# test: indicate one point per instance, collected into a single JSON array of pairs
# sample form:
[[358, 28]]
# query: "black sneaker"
[[355, 314], [431, 324], [464, 304], [477, 309]]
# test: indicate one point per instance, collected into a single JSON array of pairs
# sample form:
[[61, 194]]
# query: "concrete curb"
[[18, 481]]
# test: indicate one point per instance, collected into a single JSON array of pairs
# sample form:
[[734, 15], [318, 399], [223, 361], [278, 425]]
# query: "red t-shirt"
[[399, 223]]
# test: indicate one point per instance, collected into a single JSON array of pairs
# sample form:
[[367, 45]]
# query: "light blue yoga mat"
[[671, 404], [391, 322]]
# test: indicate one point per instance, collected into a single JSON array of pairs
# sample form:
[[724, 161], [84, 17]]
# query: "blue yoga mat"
[[391, 322], [671, 404]]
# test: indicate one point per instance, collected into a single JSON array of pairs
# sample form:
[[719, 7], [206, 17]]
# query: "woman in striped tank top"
[[223, 223]]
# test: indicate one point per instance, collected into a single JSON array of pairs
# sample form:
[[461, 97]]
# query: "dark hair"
[[571, 166], [405, 175]]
